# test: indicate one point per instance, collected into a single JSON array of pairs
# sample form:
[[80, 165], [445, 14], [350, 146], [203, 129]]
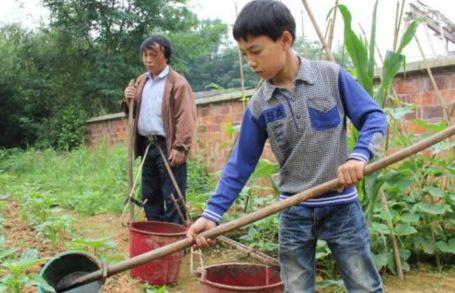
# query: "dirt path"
[[19, 235]]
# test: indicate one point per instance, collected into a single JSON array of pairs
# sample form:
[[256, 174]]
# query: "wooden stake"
[[433, 82], [130, 151], [332, 27], [318, 31], [382, 196]]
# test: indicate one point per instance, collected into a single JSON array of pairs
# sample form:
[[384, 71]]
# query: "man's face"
[[265, 57], [154, 60]]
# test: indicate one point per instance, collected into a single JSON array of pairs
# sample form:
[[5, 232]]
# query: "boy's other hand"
[[202, 224], [130, 93], [350, 173]]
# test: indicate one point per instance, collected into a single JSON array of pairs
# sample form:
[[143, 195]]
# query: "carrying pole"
[[255, 216]]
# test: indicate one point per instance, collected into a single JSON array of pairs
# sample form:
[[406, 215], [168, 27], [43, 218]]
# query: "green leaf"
[[399, 112], [403, 229], [380, 260], [410, 218], [357, 51], [265, 168], [436, 127], [432, 209], [435, 192], [408, 34], [446, 247], [371, 63], [442, 146], [379, 228]]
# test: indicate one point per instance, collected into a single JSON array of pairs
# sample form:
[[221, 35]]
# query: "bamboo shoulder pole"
[[255, 216]]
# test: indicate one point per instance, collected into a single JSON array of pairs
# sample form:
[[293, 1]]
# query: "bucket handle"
[[199, 272]]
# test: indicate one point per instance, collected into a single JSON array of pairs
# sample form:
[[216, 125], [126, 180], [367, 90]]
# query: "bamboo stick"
[[318, 31], [433, 82], [382, 195], [262, 257], [130, 151], [332, 27], [260, 214]]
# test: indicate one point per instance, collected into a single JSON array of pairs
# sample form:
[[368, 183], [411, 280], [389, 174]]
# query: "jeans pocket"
[[323, 112]]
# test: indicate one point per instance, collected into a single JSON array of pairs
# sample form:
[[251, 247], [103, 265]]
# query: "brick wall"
[[218, 110]]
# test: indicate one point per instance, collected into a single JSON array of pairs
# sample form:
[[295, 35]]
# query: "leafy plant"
[[17, 275], [104, 248]]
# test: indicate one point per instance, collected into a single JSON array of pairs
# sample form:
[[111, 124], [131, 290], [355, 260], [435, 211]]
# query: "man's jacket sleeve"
[[238, 169]]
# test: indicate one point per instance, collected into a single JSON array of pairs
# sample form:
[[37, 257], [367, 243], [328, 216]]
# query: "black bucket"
[[68, 266]]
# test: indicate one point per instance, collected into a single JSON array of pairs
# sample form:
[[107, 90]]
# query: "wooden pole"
[[262, 257], [318, 31], [332, 27], [130, 152], [433, 82], [382, 195], [255, 216]]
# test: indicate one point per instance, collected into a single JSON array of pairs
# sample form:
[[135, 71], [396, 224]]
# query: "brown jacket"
[[178, 112]]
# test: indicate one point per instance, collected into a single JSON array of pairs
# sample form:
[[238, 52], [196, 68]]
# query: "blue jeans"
[[343, 228]]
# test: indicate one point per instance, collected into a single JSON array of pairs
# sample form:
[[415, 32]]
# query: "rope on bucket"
[[130, 195], [104, 272], [200, 269], [187, 221], [176, 187]]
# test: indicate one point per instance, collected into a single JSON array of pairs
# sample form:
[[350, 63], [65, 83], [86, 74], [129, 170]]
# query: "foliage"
[[89, 182], [56, 76], [16, 272], [103, 248]]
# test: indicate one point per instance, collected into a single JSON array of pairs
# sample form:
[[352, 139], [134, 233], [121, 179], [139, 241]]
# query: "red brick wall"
[[111, 131], [212, 142], [418, 90]]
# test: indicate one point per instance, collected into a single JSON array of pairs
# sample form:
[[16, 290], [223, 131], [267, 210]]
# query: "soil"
[[19, 235]]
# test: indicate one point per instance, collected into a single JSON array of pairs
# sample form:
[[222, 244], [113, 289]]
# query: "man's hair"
[[161, 41], [264, 18]]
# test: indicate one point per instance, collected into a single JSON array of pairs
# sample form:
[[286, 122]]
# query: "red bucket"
[[240, 277], [146, 236]]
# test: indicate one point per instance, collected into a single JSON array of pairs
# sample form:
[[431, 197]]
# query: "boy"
[[165, 115], [302, 109]]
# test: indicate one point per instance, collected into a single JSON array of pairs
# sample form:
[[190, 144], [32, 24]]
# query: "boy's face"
[[266, 57], [154, 60]]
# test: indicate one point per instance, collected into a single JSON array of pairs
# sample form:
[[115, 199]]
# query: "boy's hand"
[[350, 173], [130, 93], [202, 224]]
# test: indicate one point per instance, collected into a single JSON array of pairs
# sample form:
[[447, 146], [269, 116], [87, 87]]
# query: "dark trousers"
[[157, 187]]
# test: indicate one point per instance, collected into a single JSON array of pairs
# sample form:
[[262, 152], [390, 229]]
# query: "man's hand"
[[202, 224], [130, 93], [176, 157], [350, 173]]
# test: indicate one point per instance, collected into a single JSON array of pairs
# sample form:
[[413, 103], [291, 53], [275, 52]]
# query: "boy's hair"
[[161, 41], [264, 18]]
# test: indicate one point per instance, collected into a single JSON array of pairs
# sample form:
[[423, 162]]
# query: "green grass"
[[88, 182]]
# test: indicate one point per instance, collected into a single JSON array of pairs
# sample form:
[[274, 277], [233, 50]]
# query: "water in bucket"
[[66, 267]]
